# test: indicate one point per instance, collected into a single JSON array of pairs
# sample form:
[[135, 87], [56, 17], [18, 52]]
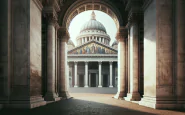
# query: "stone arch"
[[85, 5]]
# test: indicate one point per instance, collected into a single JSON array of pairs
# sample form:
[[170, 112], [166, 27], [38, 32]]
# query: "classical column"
[[121, 36], [134, 63], [96, 79], [51, 93], [110, 85], [86, 74], [100, 82], [103, 40], [76, 81], [63, 35], [180, 41], [89, 79]]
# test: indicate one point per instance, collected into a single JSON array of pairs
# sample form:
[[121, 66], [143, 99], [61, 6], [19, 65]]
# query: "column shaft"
[[100, 77], [121, 36], [134, 64], [51, 93], [76, 81], [110, 85], [86, 74]]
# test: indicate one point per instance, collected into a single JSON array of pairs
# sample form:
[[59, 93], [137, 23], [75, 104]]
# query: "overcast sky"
[[82, 18]]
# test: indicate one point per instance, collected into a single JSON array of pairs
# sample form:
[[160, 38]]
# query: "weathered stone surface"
[[35, 50]]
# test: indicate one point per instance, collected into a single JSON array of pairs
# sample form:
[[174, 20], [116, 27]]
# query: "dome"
[[70, 42], [115, 43], [93, 24]]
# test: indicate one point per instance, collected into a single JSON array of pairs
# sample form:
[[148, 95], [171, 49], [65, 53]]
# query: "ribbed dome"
[[93, 24]]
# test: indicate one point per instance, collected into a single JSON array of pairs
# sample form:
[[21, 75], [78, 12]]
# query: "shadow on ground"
[[75, 107]]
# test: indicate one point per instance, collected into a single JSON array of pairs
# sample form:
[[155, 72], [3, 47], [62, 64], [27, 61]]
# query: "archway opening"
[[93, 57]]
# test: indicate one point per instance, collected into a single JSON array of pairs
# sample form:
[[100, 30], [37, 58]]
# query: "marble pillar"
[[121, 36], [76, 79], [63, 35], [86, 74], [110, 64], [134, 63], [51, 93], [100, 77]]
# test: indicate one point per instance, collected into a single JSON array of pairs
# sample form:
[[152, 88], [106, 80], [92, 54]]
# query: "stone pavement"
[[91, 104]]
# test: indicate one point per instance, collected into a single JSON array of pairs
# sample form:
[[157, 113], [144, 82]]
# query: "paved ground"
[[103, 90], [91, 104]]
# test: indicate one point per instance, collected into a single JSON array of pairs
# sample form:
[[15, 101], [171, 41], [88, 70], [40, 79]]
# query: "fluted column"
[[63, 86], [76, 81], [100, 77], [121, 36], [110, 64], [51, 93], [86, 74]]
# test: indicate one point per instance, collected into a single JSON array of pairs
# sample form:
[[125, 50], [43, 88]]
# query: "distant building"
[[93, 62]]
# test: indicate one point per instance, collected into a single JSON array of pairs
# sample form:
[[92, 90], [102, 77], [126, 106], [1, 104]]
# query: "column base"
[[133, 97], [86, 86], [51, 97], [162, 103], [75, 86], [99, 86], [120, 95], [64, 95], [111, 86], [34, 102]]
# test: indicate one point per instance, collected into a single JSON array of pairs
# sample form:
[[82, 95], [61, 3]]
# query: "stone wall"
[[35, 50], [4, 48], [20, 38], [150, 50]]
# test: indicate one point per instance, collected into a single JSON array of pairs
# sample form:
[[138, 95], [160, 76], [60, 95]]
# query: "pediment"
[[93, 47]]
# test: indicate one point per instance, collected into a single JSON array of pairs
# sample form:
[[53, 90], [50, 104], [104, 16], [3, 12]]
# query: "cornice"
[[107, 46]]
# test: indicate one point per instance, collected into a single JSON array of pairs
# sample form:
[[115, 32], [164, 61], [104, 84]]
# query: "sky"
[[79, 20]]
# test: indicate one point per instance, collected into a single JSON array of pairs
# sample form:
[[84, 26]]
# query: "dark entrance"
[[81, 80], [105, 80], [93, 80]]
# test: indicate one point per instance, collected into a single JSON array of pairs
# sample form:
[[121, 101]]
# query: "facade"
[[93, 62]]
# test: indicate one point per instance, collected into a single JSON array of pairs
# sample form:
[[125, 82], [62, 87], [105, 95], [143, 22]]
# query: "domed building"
[[93, 62]]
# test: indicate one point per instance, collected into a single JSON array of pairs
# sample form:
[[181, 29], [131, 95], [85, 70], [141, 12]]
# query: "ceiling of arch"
[[114, 8]]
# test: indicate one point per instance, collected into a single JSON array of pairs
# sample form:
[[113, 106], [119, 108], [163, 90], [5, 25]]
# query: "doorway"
[[81, 80], [105, 80], [93, 80]]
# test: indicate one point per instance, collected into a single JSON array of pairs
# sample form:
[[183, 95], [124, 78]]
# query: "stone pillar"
[[51, 93], [121, 36], [86, 74], [76, 80], [180, 54], [110, 85], [134, 63], [63, 35], [100, 77], [96, 79], [103, 41], [89, 79]]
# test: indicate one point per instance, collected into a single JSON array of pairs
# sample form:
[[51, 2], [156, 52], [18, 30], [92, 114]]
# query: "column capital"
[[63, 34], [110, 62], [86, 62], [75, 62], [122, 34], [100, 62]]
